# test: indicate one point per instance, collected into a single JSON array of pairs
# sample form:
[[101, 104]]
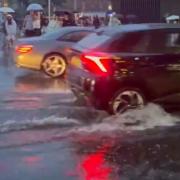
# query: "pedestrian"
[[60, 21], [68, 20], [102, 22], [11, 30], [86, 22], [3, 33], [114, 21], [44, 23], [28, 24], [37, 23], [96, 22], [53, 24]]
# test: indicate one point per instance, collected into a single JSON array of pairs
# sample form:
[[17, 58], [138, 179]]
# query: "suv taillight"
[[24, 49], [98, 64]]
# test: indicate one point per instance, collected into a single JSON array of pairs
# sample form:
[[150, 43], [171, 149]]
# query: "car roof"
[[136, 27], [66, 30]]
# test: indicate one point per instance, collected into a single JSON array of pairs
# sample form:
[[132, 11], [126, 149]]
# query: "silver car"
[[49, 51]]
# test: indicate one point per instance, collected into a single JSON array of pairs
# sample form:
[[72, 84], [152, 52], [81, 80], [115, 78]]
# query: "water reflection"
[[94, 166], [138, 157], [32, 160], [25, 103], [35, 81]]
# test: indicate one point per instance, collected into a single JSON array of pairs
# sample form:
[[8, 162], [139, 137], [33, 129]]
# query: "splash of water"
[[51, 121], [148, 118], [135, 120]]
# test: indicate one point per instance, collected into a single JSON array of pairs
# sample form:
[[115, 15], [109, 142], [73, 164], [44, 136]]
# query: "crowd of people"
[[36, 23]]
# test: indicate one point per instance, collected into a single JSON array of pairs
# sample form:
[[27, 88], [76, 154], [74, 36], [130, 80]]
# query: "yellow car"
[[49, 51]]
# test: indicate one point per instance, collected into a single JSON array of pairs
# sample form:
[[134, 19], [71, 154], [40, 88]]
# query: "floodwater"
[[46, 134]]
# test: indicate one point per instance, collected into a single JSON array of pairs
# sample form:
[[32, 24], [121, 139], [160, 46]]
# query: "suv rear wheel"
[[125, 99]]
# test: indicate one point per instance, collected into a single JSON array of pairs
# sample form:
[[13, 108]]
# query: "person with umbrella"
[[32, 21], [11, 30], [3, 36], [37, 23], [28, 25]]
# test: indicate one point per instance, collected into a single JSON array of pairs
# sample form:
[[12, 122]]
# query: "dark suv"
[[125, 67]]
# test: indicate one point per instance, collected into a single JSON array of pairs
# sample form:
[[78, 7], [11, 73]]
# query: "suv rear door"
[[156, 60], [160, 65]]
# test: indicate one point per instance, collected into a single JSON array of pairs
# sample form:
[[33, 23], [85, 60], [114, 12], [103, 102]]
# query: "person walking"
[[37, 23], [11, 30], [96, 22], [68, 20], [44, 23], [28, 25], [114, 21], [54, 24]]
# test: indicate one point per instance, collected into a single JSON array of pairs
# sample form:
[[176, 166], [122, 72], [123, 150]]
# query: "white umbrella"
[[34, 7], [6, 10], [173, 17]]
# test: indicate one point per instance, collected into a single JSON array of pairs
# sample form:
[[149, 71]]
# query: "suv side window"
[[74, 36], [164, 41], [157, 41], [173, 41], [135, 42], [153, 41]]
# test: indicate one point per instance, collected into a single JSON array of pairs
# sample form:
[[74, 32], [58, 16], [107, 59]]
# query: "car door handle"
[[142, 58], [137, 58]]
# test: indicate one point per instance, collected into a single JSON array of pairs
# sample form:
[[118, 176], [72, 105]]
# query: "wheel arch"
[[136, 85]]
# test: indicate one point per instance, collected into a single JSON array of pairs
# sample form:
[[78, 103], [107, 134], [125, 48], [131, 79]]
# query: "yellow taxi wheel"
[[54, 65]]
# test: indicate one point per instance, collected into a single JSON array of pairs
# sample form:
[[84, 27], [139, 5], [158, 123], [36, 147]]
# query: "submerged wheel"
[[54, 65], [127, 99]]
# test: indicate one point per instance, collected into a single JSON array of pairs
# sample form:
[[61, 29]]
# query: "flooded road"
[[45, 134]]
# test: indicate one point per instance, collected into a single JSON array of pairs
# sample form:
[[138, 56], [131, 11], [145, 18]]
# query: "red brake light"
[[97, 64], [24, 48]]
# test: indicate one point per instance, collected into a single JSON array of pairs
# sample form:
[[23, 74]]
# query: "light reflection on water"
[[39, 83]]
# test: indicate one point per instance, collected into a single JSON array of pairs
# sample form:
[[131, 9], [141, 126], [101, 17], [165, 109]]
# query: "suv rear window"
[[93, 41]]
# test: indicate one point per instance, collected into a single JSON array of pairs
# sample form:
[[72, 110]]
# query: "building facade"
[[147, 10], [87, 5]]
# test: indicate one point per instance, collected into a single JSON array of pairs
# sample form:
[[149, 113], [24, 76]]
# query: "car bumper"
[[31, 61], [95, 90]]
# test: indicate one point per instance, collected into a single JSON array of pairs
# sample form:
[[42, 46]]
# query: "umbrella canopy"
[[6, 10], [173, 17], [34, 7]]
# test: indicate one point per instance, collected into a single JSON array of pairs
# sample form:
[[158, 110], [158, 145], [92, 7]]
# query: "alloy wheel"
[[54, 66], [128, 99]]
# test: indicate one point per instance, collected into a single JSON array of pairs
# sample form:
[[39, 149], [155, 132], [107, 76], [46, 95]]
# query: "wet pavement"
[[45, 134]]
